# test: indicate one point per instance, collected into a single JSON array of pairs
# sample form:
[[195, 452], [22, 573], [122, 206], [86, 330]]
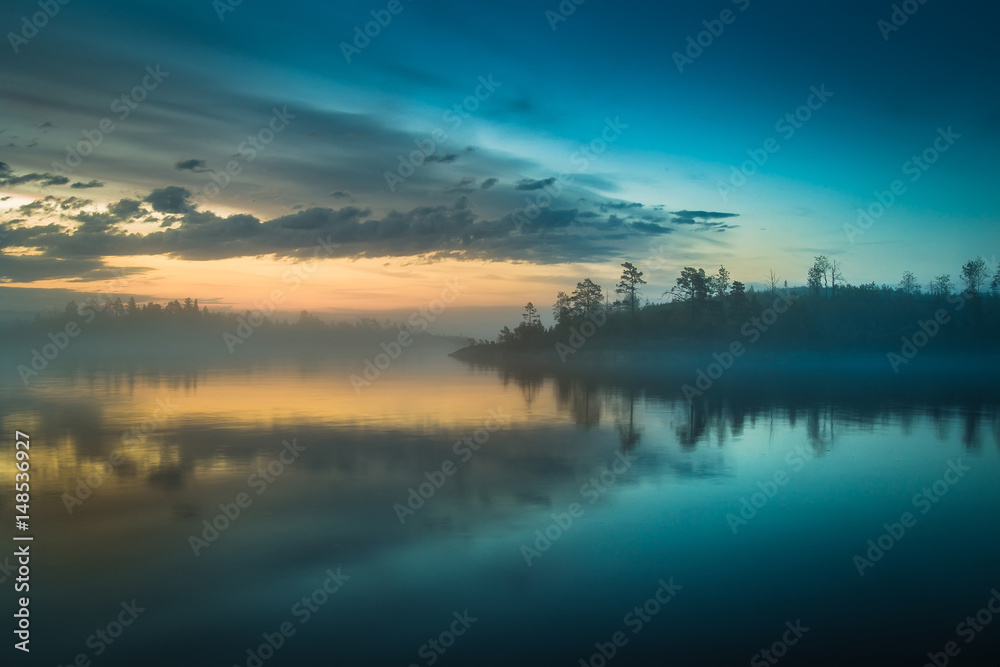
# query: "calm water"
[[648, 491]]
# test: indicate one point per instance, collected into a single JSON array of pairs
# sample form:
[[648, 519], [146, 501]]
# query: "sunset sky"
[[634, 146]]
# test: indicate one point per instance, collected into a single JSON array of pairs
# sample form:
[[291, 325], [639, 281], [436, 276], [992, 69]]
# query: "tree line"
[[703, 304]]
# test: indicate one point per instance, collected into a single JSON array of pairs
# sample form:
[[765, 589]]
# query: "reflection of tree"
[[585, 405], [723, 413], [628, 432], [694, 430], [738, 421], [529, 381], [970, 427], [819, 427]]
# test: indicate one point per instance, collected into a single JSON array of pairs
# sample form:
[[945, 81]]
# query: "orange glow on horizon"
[[332, 285]]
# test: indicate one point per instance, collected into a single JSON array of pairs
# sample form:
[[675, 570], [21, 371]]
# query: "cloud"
[[529, 184], [74, 203], [340, 194], [695, 217], [90, 184], [620, 205], [7, 177], [651, 228], [448, 230], [447, 158], [489, 183], [126, 209], [29, 269], [171, 199], [466, 184], [195, 165]]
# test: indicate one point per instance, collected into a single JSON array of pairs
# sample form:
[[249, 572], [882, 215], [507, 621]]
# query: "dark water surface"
[[648, 491]]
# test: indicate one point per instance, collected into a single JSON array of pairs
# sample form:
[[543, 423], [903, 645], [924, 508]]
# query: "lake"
[[272, 514]]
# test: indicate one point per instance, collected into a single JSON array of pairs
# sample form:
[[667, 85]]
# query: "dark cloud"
[[34, 207], [79, 185], [489, 183], [193, 164], [453, 230], [619, 205], [340, 194], [74, 203], [8, 178], [695, 217], [447, 158], [27, 269], [126, 209], [171, 199], [651, 228], [529, 184]]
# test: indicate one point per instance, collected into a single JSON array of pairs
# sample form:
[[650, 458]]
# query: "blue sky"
[[679, 135]]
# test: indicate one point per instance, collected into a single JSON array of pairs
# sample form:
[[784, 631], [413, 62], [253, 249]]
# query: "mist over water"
[[545, 507]]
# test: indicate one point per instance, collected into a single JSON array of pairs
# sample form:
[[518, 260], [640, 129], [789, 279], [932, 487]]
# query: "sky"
[[231, 151]]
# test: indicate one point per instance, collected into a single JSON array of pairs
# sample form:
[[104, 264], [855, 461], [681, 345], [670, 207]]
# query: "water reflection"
[[365, 452], [87, 416]]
